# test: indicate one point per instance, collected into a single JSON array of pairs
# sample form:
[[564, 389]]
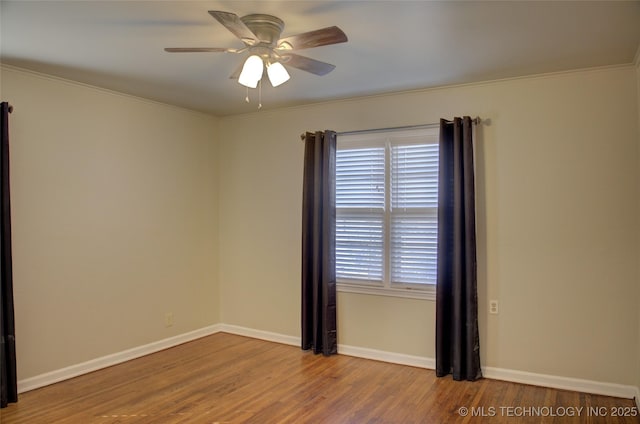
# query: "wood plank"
[[226, 378]]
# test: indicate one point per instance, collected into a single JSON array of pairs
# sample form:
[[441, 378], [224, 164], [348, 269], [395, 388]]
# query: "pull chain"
[[246, 99]]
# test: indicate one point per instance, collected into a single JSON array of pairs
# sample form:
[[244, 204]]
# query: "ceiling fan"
[[261, 35]]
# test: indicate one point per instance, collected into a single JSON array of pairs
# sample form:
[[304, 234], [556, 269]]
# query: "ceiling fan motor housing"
[[267, 28]]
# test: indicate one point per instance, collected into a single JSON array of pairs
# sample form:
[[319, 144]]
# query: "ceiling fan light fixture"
[[277, 74], [261, 35], [251, 71]]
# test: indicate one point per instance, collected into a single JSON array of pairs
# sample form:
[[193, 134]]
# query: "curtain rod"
[[477, 120], [10, 108]]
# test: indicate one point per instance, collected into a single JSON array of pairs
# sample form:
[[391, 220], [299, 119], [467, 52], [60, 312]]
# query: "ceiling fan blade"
[[319, 37], [198, 49], [232, 22], [307, 64]]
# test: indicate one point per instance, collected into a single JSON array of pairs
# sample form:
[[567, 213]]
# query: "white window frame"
[[387, 138]]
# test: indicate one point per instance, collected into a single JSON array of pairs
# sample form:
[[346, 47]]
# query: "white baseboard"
[[563, 383], [113, 359], [259, 334], [384, 356], [552, 381]]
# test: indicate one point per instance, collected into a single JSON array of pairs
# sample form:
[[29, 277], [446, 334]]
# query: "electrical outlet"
[[168, 319], [493, 307]]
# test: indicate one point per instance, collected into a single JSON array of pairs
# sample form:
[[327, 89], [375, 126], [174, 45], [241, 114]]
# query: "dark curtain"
[[8, 378], [319, 244], [457, 339]]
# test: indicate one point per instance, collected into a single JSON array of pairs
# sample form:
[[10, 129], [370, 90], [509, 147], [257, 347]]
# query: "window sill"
[[424, 294]]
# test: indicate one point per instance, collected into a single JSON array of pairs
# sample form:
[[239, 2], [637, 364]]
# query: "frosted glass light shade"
[[251, 72], [277, 74]]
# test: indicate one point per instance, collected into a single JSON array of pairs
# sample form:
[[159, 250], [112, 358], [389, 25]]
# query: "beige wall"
[[114, 221], [557, 222], [125, 209]]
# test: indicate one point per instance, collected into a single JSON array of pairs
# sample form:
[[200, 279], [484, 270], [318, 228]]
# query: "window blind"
[[414, 220], [386, 211], [414, 176], [360, 178], [360, 198]]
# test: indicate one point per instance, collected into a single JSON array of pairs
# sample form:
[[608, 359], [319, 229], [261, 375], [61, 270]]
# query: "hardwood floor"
[[226, 378]]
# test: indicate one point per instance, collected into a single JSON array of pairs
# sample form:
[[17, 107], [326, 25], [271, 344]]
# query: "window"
[[386, 212]]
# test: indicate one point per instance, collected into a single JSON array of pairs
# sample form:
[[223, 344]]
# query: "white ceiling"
[[393, 45]]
